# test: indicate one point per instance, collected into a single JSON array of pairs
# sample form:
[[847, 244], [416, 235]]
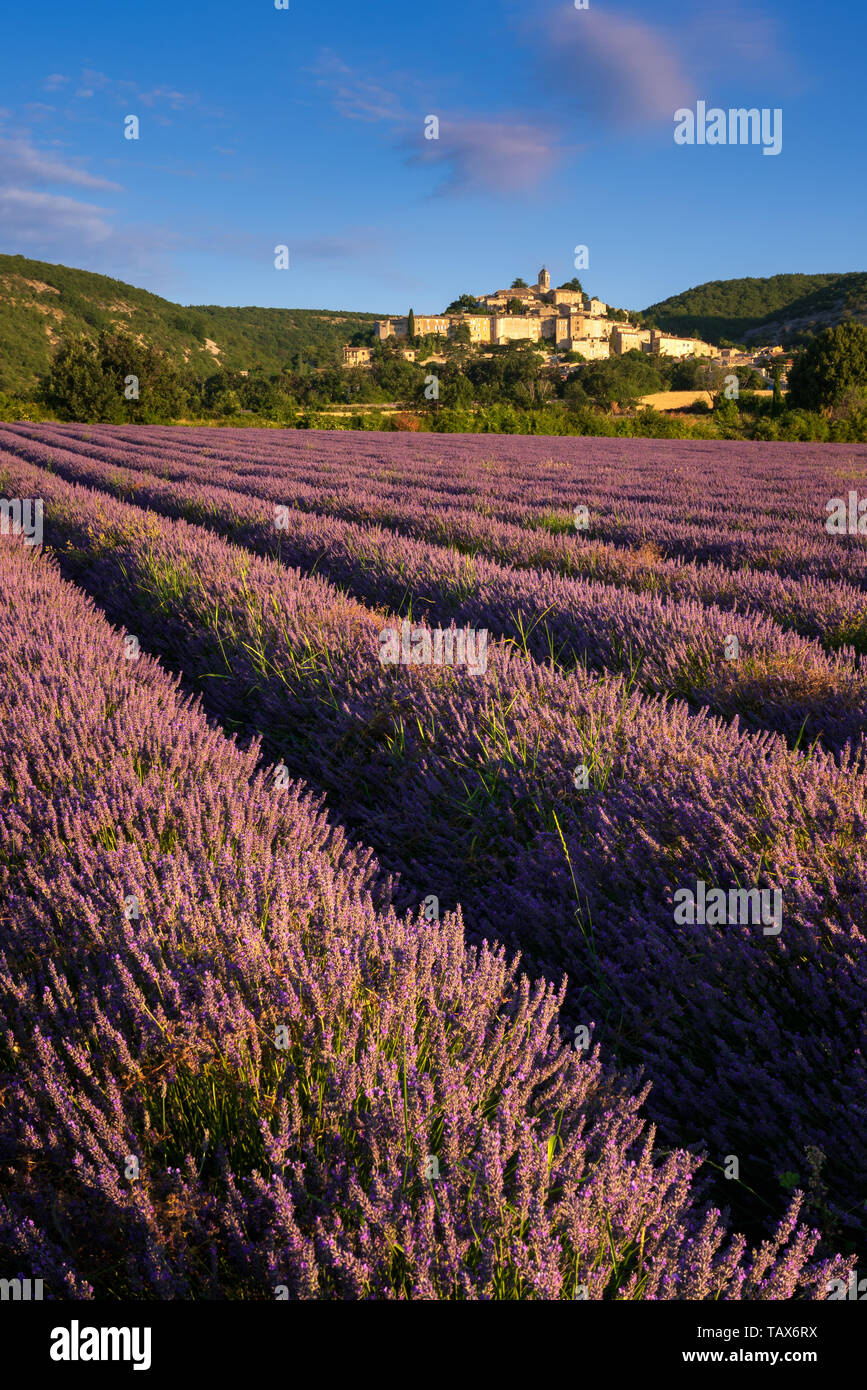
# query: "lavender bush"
[[467, 792], [231, 1070]]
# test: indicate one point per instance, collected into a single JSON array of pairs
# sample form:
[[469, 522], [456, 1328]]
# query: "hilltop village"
[[568, 319]]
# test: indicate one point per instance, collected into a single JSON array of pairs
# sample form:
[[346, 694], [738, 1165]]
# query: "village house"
[[356, 356], [670, 346]]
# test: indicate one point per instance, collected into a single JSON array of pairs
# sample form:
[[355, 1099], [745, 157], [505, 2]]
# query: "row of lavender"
[[766, 509], [744, 666], [782, 482], [229, 1074], [831, 610], [466, 789]]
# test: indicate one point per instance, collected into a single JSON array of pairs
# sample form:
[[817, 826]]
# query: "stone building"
[[567, 297], [424, 324], [509, 328], [588, 327], [427, 324], [356, 356], [625, 338], [570, 320], [479, 326], [670, 346], [592, 349]]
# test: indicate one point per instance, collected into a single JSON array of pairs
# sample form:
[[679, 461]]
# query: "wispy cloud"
[[354, 95], [22, 163], [92, 83], [497, 153], [738, 40], [34, 215], [354, 244], [598, 70], [168, 96], [503, 155], [53, 227], [624, 70], [33, 219], [358, 241]]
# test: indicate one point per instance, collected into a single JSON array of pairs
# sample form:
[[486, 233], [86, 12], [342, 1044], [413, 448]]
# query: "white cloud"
[[21, 162], [47, 220]]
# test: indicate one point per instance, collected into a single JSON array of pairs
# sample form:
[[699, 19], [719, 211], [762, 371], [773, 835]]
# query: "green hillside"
[[784, 308], [40, 304]]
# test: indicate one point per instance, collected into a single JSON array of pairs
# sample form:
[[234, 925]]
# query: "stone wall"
[[508, 327]]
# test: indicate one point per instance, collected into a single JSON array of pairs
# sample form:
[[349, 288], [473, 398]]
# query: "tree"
[[832, 369], [259, 393], [573, 284], [163, 391], [687, 374], [455, 389], [727, 416], [466, 304], [620, 380], [114, 380], [75, 387], [410, 327], [515, 306], [397, 377], [575, 396], [519, 284]]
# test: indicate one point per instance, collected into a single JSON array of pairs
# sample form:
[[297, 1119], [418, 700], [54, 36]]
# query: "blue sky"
[[305, 127]]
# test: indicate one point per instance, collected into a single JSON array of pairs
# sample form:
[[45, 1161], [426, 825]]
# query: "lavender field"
[[431, 867]]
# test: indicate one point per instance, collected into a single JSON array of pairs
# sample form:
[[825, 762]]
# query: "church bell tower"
[[544, 280]]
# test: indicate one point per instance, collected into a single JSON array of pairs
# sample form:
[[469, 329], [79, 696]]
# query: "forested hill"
[[40, 304], [783, 308]]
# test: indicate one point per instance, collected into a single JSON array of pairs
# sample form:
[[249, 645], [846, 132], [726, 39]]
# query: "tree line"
[[119, 379]]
